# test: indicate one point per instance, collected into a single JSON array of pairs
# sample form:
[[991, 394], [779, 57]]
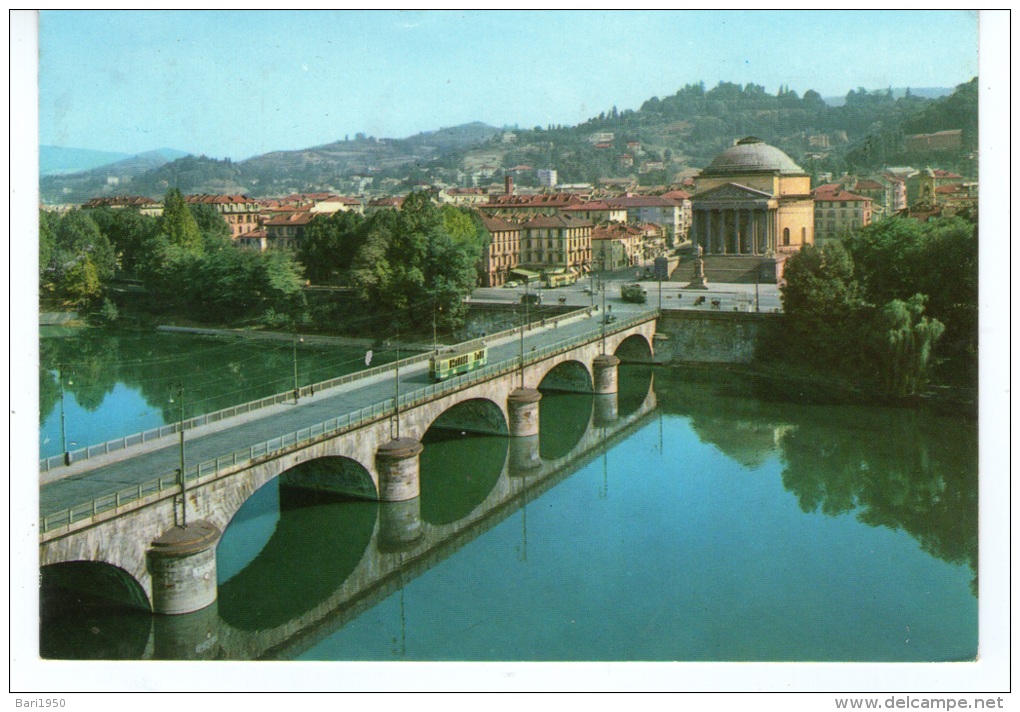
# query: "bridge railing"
[[122, 443], [333, 426]]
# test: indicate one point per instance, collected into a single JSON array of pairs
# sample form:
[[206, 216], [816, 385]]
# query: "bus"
[[454, 363], [634, 293]]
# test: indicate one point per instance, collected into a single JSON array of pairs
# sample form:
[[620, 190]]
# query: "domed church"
[[752, 200]]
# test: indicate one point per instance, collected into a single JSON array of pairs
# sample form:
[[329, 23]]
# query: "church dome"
[[752, 155]]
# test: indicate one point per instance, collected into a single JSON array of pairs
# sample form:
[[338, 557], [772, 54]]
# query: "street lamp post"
[[182, 480], [297, 390], [63, 428], [522, 354], [602, 288], [396, 389]]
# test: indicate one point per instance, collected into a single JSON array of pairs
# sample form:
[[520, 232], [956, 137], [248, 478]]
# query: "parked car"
[[511, 284]]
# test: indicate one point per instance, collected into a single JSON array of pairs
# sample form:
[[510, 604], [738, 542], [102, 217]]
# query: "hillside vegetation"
[[652, 145]]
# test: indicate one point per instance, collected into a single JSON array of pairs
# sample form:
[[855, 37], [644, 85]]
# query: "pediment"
[[731, 192]]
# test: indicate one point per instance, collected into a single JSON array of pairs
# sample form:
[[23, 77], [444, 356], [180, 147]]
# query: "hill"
[[55, 160], [657, 144]]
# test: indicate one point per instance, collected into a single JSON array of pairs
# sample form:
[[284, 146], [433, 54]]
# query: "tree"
[[178, 223], [905, 339], [211, 224], [822, 303], [128, 232], [330, 245]]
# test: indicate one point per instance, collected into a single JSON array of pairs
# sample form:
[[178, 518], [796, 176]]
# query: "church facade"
[[753, 200]]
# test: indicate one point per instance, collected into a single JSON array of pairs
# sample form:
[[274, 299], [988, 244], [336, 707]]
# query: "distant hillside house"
[[501, 255], [240, 211], [391, 203], [145, 206], [547, 177], [939, 141]]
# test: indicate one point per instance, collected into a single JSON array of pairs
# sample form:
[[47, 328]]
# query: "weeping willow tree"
[[906, 338]]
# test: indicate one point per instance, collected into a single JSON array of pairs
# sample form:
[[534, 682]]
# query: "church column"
[[736, 231]]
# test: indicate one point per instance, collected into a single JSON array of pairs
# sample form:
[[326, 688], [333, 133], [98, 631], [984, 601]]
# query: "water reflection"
[[310, 553], [458, 470], [120, 383], [323, 562], [899, 468]]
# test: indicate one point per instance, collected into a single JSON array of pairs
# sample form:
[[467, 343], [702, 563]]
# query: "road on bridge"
[[136, 466]]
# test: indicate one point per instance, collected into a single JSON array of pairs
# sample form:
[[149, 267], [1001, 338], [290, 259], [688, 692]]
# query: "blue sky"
[[239, 83]]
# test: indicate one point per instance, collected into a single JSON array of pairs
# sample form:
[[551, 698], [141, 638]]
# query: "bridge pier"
[[399, 525], [606, 409], [522, 406], [604, 373], [194, 636], [183, 566], [524, 456], [397, 464]]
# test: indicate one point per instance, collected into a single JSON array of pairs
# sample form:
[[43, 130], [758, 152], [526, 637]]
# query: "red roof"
[[837, 196], [121, 200], [615, 231], [296, 217], [218, 199], [869, 185], [560, 200], [567, 221], [677, 195], [939, 173], [497, 225]]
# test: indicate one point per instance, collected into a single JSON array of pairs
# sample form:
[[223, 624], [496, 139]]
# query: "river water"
[[699, 516]]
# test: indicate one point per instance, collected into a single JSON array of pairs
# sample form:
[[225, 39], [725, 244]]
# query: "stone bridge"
[[158, 551]]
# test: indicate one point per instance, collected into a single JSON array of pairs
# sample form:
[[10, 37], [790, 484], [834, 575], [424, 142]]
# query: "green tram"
[[634, 293], [454, 363]]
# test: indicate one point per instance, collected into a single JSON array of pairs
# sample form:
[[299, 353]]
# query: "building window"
[[786, 236]]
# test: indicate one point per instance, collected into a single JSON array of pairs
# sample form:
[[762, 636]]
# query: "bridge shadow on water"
[[296, 564]]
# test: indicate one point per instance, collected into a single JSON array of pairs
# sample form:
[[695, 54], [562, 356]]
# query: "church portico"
[[735, 220]]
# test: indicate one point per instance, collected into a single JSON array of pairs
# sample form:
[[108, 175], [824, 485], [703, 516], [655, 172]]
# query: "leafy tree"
[[128, 232], [822, 303], [211, 224], [178, 223], [905, 343], [330, 244]]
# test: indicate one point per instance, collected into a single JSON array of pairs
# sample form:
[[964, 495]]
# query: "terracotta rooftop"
[[218, 199], [567, 221], [121, 200], [828, 196], [497, 225]]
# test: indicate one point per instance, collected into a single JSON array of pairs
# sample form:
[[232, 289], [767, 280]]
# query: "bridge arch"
[[635, 348], [475, 415], [570, 376], [316, 543]]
